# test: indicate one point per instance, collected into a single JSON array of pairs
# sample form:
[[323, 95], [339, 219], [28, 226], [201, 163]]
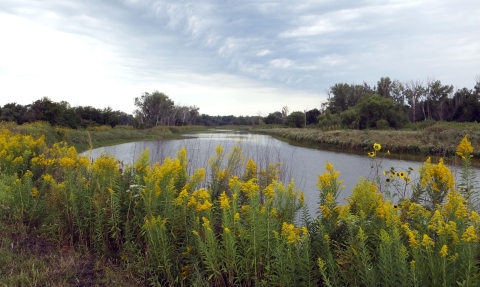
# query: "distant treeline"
[[388, 104], [63, 114]]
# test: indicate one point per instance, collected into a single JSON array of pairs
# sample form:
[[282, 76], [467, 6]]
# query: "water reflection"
[[298, 163]]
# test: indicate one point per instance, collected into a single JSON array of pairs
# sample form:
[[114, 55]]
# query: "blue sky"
[[229, 57]]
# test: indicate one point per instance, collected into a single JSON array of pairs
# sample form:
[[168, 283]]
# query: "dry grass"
[[27, 259]]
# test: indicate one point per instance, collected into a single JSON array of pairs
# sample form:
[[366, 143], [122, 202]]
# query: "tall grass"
[[240, 225]]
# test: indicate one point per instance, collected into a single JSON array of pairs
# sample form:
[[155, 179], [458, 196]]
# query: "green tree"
[[296, 119], [274, 118], [154, 109], [311, 117], [384, 86], [13, 112], [372, 111], [343, 96]]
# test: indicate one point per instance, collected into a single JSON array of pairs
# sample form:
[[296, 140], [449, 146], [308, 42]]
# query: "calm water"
[[298, 163]]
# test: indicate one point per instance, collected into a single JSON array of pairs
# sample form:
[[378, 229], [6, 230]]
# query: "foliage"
[[62, 114], [240, 227], [296, 120], [373, 110]]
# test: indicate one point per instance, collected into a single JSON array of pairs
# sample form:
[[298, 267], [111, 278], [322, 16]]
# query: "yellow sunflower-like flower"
[[377, 146], [371, 154], [401, 174]]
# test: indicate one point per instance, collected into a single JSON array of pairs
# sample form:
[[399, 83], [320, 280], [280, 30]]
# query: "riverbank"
[[434, 141], [100, 136]]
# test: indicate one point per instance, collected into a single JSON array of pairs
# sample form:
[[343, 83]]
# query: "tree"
[[384, 87], [13, 112], [436, 98], [414, 90], [343, 96], [154, 109], [296, 119], [284, 114], [274, 118], [46, 110], [397, 92], [374, 110], [312, 116]]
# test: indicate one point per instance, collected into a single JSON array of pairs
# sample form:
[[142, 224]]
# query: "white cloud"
[[214, 54], [282, 63], [263, 52]]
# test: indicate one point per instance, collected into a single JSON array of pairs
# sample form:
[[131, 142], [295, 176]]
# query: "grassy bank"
[[94, 137], [433, 141]]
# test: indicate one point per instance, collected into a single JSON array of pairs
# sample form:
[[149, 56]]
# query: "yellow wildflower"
[[181, 197], [427, 242], [237, 216], [273, 212], [224, 201], [470, 235], [302, 197], [325, 211], [444, 251], [377, 146], [288, 231], [269, 191], [206, 222], [66, 162], [34, 192], [401, 174], [465, 147], [371, 154], [227, 230], [412, 240]]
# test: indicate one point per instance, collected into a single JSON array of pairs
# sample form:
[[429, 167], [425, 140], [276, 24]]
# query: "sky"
[[229, 57]]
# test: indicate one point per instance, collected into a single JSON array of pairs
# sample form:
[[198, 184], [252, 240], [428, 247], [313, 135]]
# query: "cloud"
[[284, 49]]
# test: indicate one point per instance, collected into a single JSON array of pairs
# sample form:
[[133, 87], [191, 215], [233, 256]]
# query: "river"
[[298, 163]]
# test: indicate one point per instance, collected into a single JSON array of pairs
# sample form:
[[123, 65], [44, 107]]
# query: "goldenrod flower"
[[34, 192], [412, 240], [224, 201], [206, 222], [269, 191], [444, 251], [427, 242], [273, 212], [302, 197], [237, 216], [470, 235], [465, 147], [377, 146], [288, 231], [325, 211]]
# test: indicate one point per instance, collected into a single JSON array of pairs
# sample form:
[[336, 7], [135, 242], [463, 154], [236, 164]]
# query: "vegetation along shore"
[[68, 221]]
